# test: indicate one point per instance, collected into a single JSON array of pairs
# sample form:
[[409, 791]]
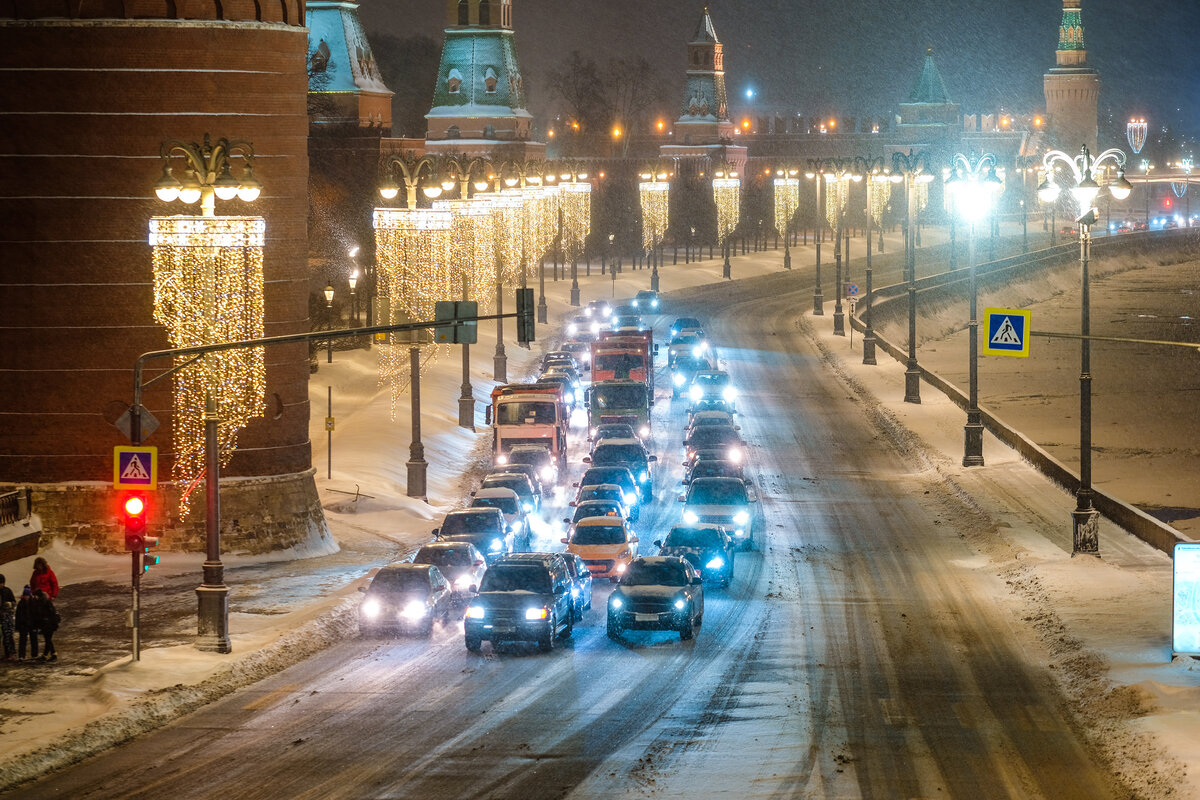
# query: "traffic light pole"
[[213, 594]]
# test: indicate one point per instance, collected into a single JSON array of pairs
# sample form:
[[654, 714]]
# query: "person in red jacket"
[[43, 579]]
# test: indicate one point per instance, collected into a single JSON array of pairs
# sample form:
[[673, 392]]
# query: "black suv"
[[524, 597], [483, 527]]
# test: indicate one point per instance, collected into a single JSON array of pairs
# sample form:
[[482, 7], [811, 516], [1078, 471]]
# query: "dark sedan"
[[405, 598], [708, 548], [657, 593]]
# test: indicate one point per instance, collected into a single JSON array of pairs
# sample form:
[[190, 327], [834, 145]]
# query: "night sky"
[[861, 57]]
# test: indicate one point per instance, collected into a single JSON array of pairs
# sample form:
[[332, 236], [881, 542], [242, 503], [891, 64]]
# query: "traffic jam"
[[578, 497]]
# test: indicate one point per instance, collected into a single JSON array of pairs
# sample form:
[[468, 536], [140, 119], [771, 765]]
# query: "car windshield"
[[598, 493], [620, 364], [659, 573], [595, 508], [520, 485], [599, 534], [708, 437], [718, 492], [684, 323], [707, 468], [632, 395], [535, 457], [444, 556], [683, 341], [606, 453], [522, 412], [690, 364], [614, 431], [693, 537], [516, 578], [401, 580], [508, 505], [621, 476], [711, 379], [459, 524]]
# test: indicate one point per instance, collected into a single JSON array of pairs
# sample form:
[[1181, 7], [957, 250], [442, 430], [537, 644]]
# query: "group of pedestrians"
[[32, 618]]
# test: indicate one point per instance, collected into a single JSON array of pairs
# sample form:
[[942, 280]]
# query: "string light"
[[654, 199], [727, 194], [787, 199], [413, 257], [208, 289], [508, 208], [576, 204], [837, 190], [472, 249], [879, 194]]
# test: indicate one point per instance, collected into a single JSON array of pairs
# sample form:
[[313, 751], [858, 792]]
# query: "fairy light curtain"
[[787, 199], [471, 245], [653, 196], [727, 196], [414, 270], [208, 289], [508, 210], [837, 192], [879, 194], [576, 204]]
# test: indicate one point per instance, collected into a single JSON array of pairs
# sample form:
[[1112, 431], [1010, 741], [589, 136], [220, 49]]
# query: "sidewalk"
[[1087, 612]]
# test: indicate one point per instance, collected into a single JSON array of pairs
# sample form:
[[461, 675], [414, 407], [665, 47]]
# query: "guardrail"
[[1150, 530], [15, 506]]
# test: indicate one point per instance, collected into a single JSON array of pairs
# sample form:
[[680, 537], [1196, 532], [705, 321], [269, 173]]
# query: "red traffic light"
[[134, 505]]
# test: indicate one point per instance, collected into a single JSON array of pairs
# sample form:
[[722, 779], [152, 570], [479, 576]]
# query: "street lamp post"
[[417, 465], [727, 196], [911, 169], [353, 281], [836, 172], [1082, 168], [207, 178], [815, 176], [876, 175], [787, 192], [971, 186], [329, 322]]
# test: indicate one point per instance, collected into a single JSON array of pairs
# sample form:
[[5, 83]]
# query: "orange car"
[[606, 545]]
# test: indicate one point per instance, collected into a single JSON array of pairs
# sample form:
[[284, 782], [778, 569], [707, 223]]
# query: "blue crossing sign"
[[1006, 332], [135, 467]]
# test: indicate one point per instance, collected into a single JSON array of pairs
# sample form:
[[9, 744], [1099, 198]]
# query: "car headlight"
[[574, 591], [644, 431], [716, 563], [624, 553], [635, 303], [572, 328], [537, 613], [475, 612], [695, 393], [502, 459], [679, 604], [678, 379], [547, 473], [698, 350], [517, 526], [735, 455], [497, 544], [654, 303], [608, 311], [371, 608], [414, 610], [462, 582], [593, 431], [741, 518], [630, 499], [691, 517], [595, 327], [616, 602], [620, 568], [729, 393], [587, 358], [644, 476], [527, 506]]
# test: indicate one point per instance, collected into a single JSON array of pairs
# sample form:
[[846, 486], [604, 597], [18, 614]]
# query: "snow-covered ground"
[[1105, 622]]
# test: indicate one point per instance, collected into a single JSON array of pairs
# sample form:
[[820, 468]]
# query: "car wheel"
[[570, 629], [426, 629], [686, 632], [474, 644], [546, 643], [614, 629]]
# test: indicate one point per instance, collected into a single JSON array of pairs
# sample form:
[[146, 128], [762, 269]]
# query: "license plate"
[[646, 617], [503, 629]]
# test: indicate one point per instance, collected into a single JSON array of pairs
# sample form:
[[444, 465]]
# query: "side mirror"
[[564, 540], [696, 581], [633, 540], [435, 532], [737, 427], [473, 589], [567, 519], [658, 542], [480, 563], [586, 460], [487, 415], [651, 458], [683, 498], [752, 497], [576, 485], [362, 589]]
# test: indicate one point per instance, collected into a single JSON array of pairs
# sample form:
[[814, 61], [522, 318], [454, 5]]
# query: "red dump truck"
[[625, 355]]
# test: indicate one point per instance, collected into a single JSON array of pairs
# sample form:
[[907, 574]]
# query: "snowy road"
[[859, 654]]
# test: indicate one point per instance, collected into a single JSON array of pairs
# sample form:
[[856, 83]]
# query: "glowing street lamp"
[[1082, 168], [972, 187], [207, 173], [912, 169]]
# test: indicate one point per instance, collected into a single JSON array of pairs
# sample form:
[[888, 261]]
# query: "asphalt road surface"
[[856, 654]]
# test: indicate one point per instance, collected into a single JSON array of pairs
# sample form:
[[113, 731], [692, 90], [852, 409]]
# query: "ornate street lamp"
[[814, 175], [838, 173], [971, 189], [216, 263], [654, 199], [1085, 523], [727, 196], [879, 188], [411, 169], [329, 321], [787, 198], [912, 169]]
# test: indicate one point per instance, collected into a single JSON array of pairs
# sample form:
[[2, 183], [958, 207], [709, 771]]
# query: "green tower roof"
[[929, 87]]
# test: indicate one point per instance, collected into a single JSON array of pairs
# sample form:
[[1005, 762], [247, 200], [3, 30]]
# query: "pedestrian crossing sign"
[[1007, 332], [135, 467]]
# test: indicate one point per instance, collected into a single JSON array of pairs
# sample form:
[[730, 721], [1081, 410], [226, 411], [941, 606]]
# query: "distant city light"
[[750, 94]]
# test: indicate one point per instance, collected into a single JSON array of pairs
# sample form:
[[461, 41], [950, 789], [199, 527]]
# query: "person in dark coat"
[[8, 610], [26, 627], [46, 618]]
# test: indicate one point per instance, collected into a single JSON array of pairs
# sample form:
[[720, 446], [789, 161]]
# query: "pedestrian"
[[8, 622], [46, 619], [43, 579], [26, 626]]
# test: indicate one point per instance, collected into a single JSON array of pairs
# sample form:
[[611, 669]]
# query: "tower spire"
[[1072, 87]]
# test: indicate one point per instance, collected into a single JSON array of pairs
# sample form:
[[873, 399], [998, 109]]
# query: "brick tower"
[[479, 100], [1072, 87], [92, 91], [704, 116]]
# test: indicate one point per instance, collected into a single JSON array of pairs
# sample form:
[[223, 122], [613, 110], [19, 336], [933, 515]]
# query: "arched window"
[[453, 132], [485, 12], [464, 13]]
